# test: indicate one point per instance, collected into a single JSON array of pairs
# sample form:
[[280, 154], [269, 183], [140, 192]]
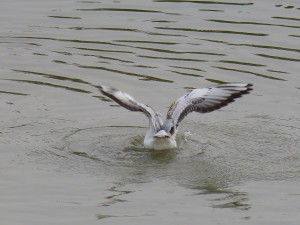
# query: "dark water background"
[[69, 157]]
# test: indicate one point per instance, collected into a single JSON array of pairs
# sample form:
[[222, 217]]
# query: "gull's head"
[[168, 130], [162, 134]]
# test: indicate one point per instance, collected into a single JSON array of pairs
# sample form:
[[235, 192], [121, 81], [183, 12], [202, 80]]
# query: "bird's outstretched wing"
[[205, 100], [131, 104]]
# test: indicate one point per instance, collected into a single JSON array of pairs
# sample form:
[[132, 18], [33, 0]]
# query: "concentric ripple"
[[122, 146]]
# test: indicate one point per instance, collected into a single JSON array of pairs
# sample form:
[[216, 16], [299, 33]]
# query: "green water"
[[69, 156]]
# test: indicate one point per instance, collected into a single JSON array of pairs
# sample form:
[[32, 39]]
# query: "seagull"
[[162, 134]]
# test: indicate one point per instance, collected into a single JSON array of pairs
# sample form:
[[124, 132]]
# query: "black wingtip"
[[99, 87], [105, 90], [249, 87]]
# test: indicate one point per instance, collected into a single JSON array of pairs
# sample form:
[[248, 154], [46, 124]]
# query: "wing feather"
[[205, 100], [128, 102]]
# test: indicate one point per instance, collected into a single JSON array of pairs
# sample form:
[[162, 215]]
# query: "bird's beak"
[[162, 134]]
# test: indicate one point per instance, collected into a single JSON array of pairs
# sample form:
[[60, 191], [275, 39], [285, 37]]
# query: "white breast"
[[160, 143]]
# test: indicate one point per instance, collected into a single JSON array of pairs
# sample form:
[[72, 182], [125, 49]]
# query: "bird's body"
[[159, 143], [162, 134]]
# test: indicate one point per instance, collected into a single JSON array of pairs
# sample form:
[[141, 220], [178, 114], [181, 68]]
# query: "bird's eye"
[[172, 130]]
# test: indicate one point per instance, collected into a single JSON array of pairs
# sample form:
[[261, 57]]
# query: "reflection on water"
[[55, 53], [225, 198], [98, 144]]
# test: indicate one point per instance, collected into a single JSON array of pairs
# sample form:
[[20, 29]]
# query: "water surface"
[[71, 156]]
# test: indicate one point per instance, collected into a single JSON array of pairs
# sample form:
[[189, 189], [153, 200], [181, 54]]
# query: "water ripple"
[[255, 45], [52, 76], [286, 18], [252, 23], [250, 72], [50, 85], [207, 2], [13, 93], [142, 77], [128, 10], [54, 53], [212, 31], [279, 57]]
